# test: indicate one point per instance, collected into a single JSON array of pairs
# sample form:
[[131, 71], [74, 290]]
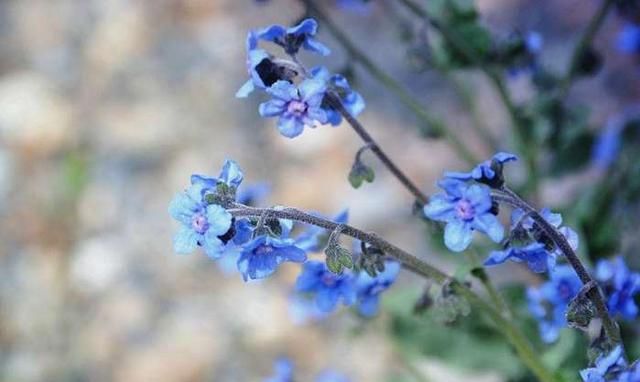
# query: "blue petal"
[[307, 26], [571, 236], [271, 33], [457, 235], [245, 90], [231, 173], [498, 257], [479, 196], [312, 88], [503, 157], [453, 187], [290, 127], [439, 208], [552, 218], [272, 108], [182, 208], [292, 253], [368, 307], [458, 175], [489, 224], [283, 90], [316, 114], [314, 45], [327, 299], [185, 241], [212, 245]]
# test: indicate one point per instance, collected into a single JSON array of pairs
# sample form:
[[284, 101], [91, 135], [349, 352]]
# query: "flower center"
[[199, 223], [328, 279], [264, 250], [297, 108], [464, 210]]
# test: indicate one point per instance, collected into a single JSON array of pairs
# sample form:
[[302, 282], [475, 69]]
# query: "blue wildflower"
[[231, 176], [314, 238], [548, 302], [331, 376], [465, 209], [605, 366], [351, 100], [555, 219], [328, 287], [296, 107], [369, 288], [629, 39], [620, 286], [261, 256], [534, 254], [608, 143], [202, 225], [488, 172], [294, 38], [283, 371]]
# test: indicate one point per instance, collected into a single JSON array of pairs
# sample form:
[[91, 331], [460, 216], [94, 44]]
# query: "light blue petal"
[[219, 220], [504, 157], [439, 208], [283, 90], [571, 236], [489, 224], [307, 26], [290, 127], [213, 247], [231, 173], [271, 33], [245, 90], [182, 208], [272, 108], [327, 299], [311, 88], [552, 218], [368, 307], [498, 257], [316, 46], [320, 73], [317, 114], [457, 235], [185, 241], [479, 196]]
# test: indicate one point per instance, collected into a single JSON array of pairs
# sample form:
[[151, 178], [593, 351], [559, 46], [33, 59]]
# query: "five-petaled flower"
[[261, 257], [327, 287], [620, 286], [548, 302], [296, 107], [465, 208], [294, 38], [369, 288]]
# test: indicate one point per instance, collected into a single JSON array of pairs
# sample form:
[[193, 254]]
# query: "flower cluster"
[[466, 207], [612, 367], [300, 97], [257, 251], [283, 372]]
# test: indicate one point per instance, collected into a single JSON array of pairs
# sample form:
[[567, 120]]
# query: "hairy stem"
[[335, 102], [419, 267], [433, 124], [583, 45], [610, 327]]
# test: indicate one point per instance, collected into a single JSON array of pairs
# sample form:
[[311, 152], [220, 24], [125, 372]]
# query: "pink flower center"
[[297, 108], [199, 223], [464, 210], [328, 279]]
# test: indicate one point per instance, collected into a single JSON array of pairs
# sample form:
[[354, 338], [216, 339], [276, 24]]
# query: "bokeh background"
[[108, 106]]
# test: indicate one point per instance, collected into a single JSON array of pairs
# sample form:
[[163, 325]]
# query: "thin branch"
[[610, 327]]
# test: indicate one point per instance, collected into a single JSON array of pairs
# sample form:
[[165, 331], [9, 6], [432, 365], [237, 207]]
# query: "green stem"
[[418, 266], [583, 45], [431, 122]]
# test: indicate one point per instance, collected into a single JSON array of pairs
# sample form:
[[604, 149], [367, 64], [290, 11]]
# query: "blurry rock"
[[97, 264]]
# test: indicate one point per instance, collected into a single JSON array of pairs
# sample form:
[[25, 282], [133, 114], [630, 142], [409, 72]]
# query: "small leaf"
[[344, 258], [360, 173]]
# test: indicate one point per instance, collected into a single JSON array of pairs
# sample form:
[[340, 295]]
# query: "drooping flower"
[[294, 38], [548, 303], [296, 107], [534, 254], [283, 371], [629, 39], [351, 100], [314, 238], [488, 172], [327, 287], [203, 225], [369, 288], [620, 285], [465, 209], [230, 177], [261, 257], [606, 366]]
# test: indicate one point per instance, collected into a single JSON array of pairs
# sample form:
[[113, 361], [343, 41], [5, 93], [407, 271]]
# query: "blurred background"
[[108, 106]]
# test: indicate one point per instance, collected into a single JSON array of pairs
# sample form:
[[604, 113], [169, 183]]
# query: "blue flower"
[[314, 238], [629, 39], [608, 142], [555, 219], [465, 209], [369, 288], [620, 285], [351, 100], [297, 107], [261, 256], [202, 225], [294, 38], [605, 365], [534, 254], [488, 172], [331, 376], [231, 176], [328, 287], [283, 371], [263, 71], [548, 302]]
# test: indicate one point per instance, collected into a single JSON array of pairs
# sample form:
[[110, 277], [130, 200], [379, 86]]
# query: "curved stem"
[[610, 327], [420, 267], [433, 124], [335, 102], [583, 45]]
